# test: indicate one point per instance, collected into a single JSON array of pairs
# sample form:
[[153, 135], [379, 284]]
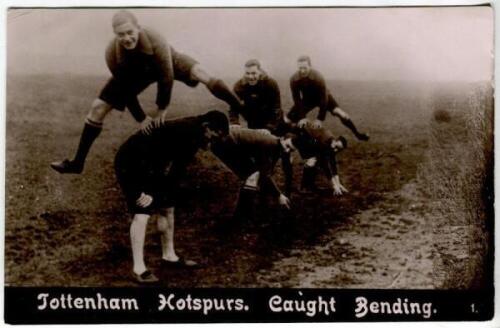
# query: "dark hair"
[[343, 141], [305, 58], [216, 121], [122, 17], [252, 62]]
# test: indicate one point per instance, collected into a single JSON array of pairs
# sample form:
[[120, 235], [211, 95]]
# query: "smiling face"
[[127, 35], [304, 67], [252, 74]]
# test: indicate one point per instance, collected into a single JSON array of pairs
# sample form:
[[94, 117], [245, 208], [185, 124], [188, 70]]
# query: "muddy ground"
[[73, 230]]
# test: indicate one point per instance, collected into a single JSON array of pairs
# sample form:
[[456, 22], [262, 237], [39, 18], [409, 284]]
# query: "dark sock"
[[91, 131], [245, 209], [351, 126], [220, 90], [308, 177]]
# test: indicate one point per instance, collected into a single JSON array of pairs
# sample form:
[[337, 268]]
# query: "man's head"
[[215, 125], [304, 65], [252, 71], [339, 144], [126, 29]]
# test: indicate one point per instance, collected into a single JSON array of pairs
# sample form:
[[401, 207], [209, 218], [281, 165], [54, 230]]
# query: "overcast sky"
[[377, 43]]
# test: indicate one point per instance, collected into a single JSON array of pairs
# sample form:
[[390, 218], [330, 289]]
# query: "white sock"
[[137, 237], [252, 181]]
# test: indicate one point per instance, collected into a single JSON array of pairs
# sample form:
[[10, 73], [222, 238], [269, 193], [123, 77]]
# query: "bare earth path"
[[383, 247]]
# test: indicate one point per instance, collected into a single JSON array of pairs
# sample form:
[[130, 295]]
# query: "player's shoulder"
[[295, 77], [240, 84], [316, 75], [152, 38], [151, 34], [268, 81], [110, 48]]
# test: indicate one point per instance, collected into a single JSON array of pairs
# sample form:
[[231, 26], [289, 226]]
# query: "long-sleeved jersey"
[[160, 145], [261, 103], [150, 60], [316, 142], [309, 92]]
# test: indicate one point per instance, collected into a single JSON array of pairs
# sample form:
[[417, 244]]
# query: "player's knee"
[[98, 111], [170, 212], [162, 224], [199, 74], [311, 162], [340, 113], [170, 218], [141, 219]]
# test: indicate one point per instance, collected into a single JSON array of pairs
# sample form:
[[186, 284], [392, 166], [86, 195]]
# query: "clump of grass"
[[458, 177], [442, 116]]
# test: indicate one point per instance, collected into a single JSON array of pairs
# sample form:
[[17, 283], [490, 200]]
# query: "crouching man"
[[252, 155], [318, 147], [149, 166]]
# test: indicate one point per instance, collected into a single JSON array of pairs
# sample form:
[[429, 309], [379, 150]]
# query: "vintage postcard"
[[251, 164]]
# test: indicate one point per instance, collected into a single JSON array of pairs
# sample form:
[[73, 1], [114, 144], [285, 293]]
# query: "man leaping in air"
[[138, 57], [309, 91]]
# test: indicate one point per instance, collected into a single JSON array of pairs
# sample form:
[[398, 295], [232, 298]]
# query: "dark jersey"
[[309, 92], [153, 60], [162, 145], [261, 103], [316, 142]]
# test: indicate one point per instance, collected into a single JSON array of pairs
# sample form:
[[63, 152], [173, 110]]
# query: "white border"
[[5, 4]]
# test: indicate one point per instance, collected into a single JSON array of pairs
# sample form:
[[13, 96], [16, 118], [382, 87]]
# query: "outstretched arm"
[[328, 162], [268, 183], [323, 97], [274, 105], [234, 111], [163, 56], [286, 164], [297, 99]]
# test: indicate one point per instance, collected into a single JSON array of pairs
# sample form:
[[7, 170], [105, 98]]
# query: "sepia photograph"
[[295, 149]]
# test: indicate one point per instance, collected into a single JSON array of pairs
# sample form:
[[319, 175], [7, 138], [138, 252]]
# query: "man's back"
[[163, 141]]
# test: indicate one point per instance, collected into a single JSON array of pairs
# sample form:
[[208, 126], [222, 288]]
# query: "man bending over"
[[149, 166]]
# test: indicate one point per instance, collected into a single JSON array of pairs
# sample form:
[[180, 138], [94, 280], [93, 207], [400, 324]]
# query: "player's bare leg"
[[137, 238], [166, 228], [91, 130], [216, 86]]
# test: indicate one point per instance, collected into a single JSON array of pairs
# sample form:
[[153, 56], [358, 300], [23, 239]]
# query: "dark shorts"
[[161, 188], [134, 180], [123, 93], [183, 64], [297, 113]]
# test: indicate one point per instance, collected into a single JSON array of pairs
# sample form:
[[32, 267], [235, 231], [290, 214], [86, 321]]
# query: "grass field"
[[73, 230]]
